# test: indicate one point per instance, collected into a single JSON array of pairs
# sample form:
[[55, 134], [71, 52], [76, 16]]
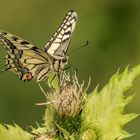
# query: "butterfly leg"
[[46, 95], [67, 67], [54, 83], [42, 89], [52, 79], [74, 69]]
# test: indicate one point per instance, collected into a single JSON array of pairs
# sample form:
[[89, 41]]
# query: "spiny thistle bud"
[[67, 100]]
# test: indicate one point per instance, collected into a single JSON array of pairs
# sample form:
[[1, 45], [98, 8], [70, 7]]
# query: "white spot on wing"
[[74, 14], [60, 36], [58, 29], [61, 25], [73, 26], [66, 37], [57, 40], [62, 32], [72, 21], [47, 43], [68, 29], [65, 27], [69, 13], [70, 18], [53, 47], [67, 17], [68, 23], [51, 39], [51, 52], [55, 34]]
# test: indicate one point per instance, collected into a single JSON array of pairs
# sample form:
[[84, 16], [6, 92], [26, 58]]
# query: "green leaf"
[[9, 132], [103, 111]]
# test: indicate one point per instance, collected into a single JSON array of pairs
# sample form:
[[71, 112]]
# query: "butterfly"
[[29, 62]]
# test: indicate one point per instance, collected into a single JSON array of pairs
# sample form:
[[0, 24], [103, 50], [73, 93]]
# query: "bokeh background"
[[111, 26]]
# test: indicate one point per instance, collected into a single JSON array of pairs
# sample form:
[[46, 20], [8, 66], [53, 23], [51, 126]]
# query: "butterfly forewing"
[[58, 44]]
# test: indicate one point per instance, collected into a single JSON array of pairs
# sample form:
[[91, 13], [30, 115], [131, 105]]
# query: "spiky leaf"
[[104, 110], [9, 132]]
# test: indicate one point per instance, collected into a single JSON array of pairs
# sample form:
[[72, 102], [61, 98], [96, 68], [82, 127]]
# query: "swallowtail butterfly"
[[28, 61]]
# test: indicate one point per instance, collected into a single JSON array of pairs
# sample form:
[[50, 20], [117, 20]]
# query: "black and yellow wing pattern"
[[28, 61], [58, 45]]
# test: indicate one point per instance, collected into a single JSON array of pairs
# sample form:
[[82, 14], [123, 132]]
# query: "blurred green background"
[[111, 26]]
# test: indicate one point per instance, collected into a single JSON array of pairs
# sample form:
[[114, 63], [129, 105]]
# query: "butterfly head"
[[64, 61]]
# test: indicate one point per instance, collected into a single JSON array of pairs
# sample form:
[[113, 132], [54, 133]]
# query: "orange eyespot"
[[27, 77]]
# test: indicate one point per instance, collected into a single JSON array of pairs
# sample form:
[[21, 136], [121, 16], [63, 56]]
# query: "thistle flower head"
[[67, 100]]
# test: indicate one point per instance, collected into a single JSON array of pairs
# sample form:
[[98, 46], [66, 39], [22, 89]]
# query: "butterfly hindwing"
[[26, 60], [58, 44]]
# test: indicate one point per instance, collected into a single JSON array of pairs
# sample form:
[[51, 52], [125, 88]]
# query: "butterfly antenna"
[[74, 50]]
